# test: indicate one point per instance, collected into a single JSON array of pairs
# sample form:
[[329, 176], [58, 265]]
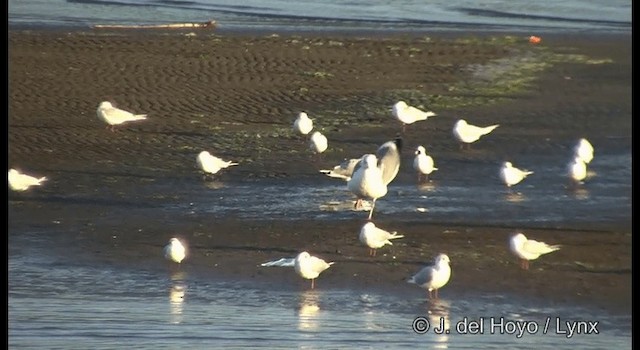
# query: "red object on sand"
[[534, 39]]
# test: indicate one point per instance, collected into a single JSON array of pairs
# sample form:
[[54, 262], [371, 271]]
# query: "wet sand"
[[218, 92]]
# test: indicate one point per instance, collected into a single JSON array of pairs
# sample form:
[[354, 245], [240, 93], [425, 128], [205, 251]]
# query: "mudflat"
[[238, 95]]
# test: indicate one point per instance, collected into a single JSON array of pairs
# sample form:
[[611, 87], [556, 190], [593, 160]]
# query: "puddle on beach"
[[543, 199], [55, 303]]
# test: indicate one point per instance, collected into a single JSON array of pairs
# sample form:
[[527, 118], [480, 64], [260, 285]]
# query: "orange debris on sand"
[[534, 39]]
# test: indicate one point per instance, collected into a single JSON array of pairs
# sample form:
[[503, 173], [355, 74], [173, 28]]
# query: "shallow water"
[[309, 15], [452, 196], [55, 302]]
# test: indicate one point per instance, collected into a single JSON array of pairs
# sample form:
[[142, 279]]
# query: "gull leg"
[[435, 292], [374, 252], [373, 205], [312, 283]]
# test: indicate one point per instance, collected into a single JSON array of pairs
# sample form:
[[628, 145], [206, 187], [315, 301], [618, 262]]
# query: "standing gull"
[[310, 267], [408, 115], [511, 175], [466, 133], [21, 182], [577, 170], [367, 181], [114, 116], [374, 237], [343, 170], [423, 163], [318, 142], [211, 164], [434, 276], [175, 251], [528, 249], [303, 124], [584, 150]]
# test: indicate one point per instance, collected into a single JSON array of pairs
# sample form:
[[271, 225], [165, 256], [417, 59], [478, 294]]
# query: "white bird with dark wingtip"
[[511, 175], [584, 150], [22, 182], [343, 170], [114, 116], [367, 181], [433, 276], [388, 155], [211, 164], [318, 143], [175, 251], [408, 114], [467, 134], [303, 124], [577, 170], [423, 163], [310, 267], [528, 249], [375, 238]]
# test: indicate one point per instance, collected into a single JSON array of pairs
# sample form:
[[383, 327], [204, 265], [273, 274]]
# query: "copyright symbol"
[[421, 325]]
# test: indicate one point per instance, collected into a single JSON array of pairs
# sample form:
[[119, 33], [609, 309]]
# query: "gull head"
[[303, 255], [442, 259], [105, 104], [420, 150], [518, 238], [400, 105], [461, 123], [508, 165]]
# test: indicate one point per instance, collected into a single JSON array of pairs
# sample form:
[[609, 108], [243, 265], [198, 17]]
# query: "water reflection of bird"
[[308, 310], [176, 301], [438, 311]]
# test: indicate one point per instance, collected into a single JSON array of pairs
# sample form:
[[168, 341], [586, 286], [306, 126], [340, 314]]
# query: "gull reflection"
[[371, 303], [177, 293], [213, 185], [580, 193], [176, 302], [345, 205], [308, 310], [427, 186], [514, 197], [438, 311]]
